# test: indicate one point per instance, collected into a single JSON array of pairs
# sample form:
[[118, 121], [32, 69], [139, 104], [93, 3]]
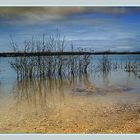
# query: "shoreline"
[[78, 115], [28, 54]]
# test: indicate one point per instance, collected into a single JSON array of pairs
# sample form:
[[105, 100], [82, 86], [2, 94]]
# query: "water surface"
[[73, 104]]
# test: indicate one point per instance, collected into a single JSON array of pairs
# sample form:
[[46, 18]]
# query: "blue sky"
[[99, 28]]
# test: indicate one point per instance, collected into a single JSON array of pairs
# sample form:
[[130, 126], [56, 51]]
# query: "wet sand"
[[84, 112]]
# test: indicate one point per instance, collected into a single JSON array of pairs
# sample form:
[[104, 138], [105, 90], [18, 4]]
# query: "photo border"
[[68, 3]]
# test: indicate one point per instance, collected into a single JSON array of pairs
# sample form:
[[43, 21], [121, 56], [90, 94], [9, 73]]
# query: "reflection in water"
[[106, 65], [48, 93], [132, 66], [39, 93]]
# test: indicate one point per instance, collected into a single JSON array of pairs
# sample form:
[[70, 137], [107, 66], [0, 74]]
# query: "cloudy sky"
[[99, 28]]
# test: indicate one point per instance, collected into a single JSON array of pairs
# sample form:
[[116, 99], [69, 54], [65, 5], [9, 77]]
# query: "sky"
[[98, 28]]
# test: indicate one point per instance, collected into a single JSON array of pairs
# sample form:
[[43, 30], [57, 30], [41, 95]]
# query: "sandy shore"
[[109, 113]]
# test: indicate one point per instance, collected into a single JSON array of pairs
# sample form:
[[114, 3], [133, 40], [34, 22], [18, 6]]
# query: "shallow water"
[[73, 104]]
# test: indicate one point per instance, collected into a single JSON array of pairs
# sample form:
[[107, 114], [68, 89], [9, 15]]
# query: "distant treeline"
[[23, 54]]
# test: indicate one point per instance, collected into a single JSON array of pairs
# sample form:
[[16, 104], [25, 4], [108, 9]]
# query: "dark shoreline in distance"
[[28, 54]]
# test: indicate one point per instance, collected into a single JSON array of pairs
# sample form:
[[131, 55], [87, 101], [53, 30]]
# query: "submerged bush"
[[28, 67]]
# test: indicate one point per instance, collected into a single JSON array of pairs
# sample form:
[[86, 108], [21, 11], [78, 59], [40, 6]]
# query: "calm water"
[[116, 77], [52, 93]]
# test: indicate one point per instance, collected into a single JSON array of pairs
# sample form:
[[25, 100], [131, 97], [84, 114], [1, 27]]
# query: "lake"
[[104, 99]]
